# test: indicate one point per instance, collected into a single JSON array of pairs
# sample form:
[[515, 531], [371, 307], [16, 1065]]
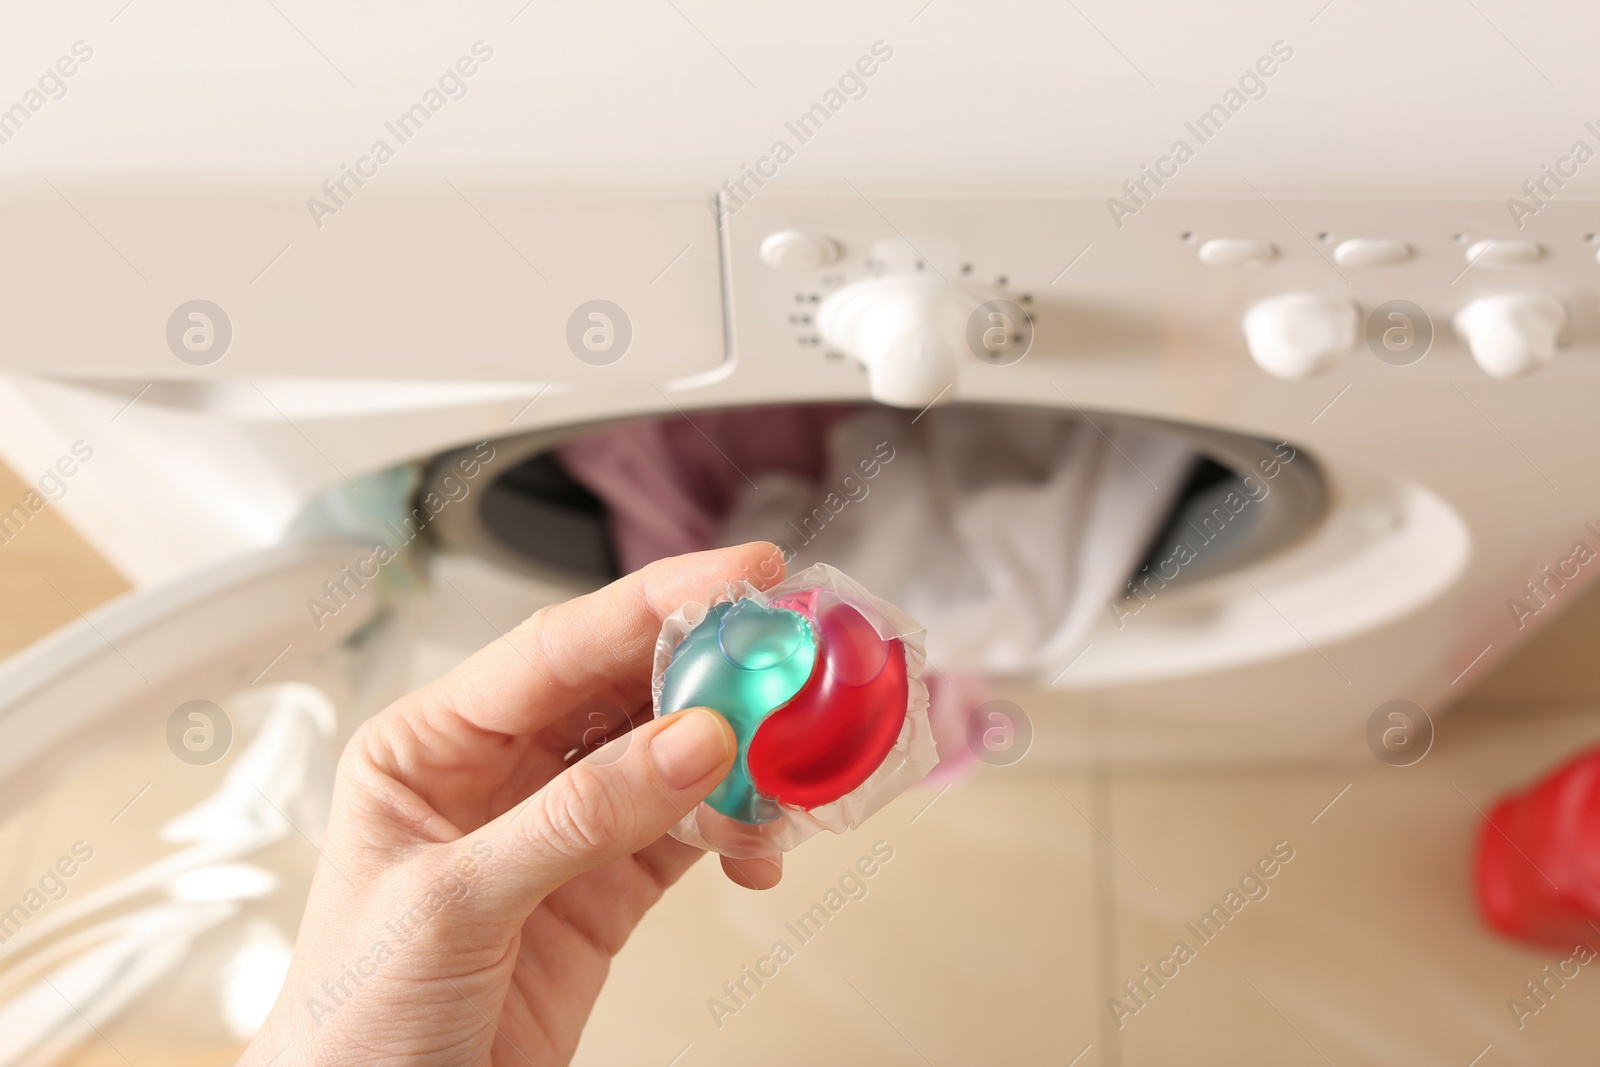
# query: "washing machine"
[[241, 362]]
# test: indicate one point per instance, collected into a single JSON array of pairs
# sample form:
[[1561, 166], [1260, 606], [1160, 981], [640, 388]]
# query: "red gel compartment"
[[831, 736]]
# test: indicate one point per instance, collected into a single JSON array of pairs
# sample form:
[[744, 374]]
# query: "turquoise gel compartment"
[[744, 661]]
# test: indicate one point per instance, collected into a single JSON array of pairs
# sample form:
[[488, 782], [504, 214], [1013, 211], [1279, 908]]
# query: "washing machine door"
[[165, 769]]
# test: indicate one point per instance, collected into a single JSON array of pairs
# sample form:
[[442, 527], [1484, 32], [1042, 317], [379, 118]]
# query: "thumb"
[[595, 812]]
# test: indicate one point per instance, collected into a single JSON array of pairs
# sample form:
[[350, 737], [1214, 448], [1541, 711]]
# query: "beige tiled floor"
[[1007, 921], [1021, 919], [1367, 948], [1018, 902], [47, 573], [930, 965]]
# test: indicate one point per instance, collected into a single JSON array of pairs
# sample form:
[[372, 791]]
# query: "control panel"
[[928, 296]]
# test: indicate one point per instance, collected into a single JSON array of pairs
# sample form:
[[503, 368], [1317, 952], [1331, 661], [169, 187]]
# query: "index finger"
[[597, 646]]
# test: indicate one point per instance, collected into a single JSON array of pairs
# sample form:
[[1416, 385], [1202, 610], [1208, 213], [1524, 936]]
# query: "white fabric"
[[1005, 532]]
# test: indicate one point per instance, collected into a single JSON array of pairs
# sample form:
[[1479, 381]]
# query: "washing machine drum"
[[1006, 531]]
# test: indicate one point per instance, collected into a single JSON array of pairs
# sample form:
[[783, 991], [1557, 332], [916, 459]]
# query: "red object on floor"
[[1538, 864]]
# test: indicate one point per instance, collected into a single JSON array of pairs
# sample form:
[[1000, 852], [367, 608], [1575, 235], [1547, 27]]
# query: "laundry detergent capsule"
[[821, 683]]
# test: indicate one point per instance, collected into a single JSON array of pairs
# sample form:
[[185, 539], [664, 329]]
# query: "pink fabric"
[[668, 483], [952, 698]]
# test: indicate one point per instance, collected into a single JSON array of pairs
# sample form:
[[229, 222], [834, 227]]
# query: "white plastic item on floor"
[[1005, 532], [280, 782]]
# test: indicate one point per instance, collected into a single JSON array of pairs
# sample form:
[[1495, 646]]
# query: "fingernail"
[[758, 872], [693, 744]]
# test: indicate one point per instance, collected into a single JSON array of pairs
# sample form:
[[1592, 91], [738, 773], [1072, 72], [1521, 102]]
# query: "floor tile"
[[973, 944], [48, 573], [1366, 946]]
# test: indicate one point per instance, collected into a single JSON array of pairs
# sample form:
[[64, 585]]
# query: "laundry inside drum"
[[1009, 531]]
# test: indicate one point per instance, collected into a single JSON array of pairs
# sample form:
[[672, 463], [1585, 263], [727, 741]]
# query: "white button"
[[798, 250], [1512, 333], [909, 331], [1370, 252], [1298, 334], [1235, 252], [1503, 252]]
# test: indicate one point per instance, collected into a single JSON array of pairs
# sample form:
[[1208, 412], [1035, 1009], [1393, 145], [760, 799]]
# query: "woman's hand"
[[474, 886]]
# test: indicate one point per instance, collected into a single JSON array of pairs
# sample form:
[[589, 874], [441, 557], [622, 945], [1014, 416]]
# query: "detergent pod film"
[[822, 683]]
